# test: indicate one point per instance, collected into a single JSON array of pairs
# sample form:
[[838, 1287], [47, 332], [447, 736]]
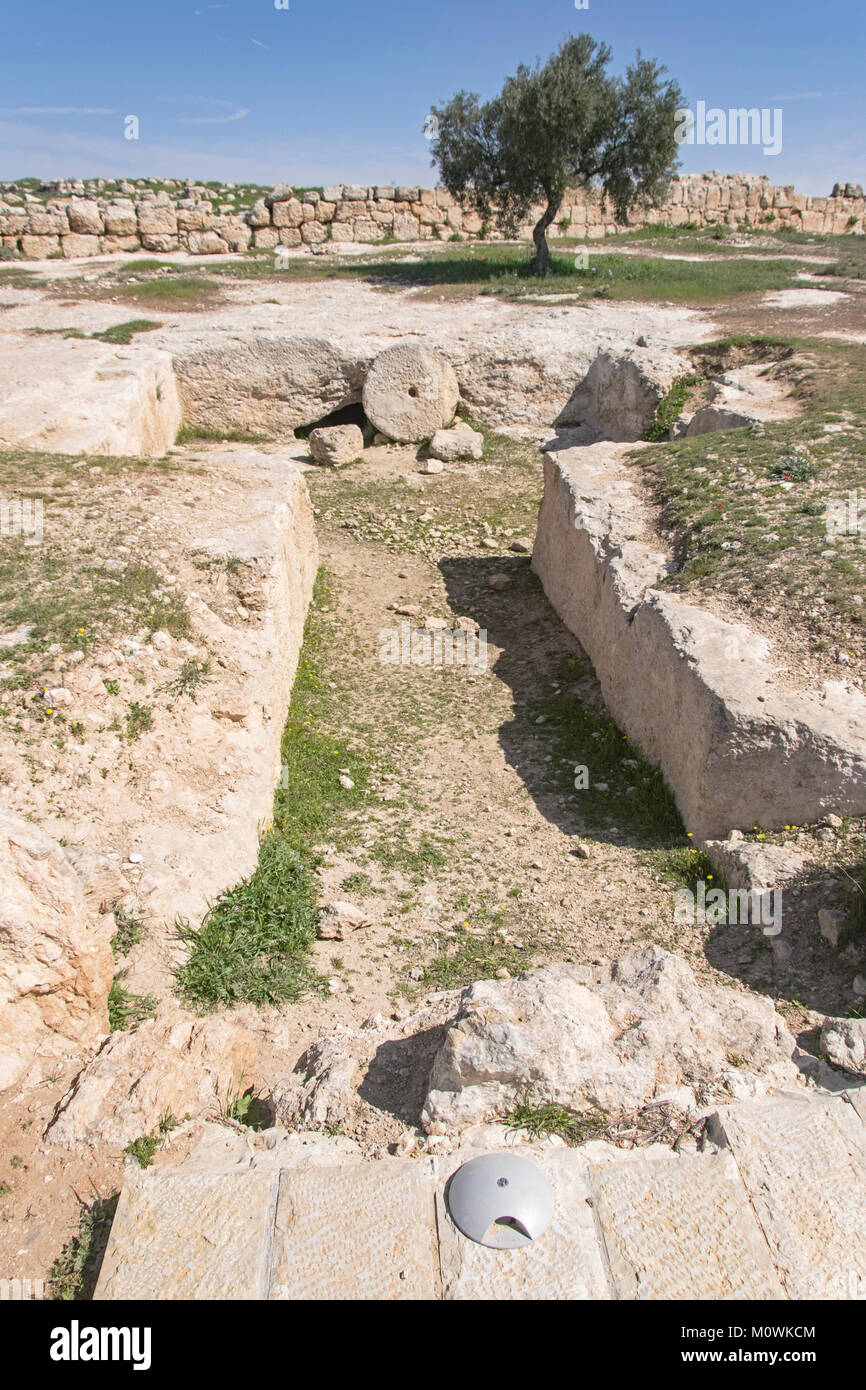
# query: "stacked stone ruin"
[[77, 219]]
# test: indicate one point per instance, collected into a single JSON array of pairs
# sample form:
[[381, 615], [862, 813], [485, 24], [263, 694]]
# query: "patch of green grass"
[[143, 265], [504, 269], [127, 1011], [192, 434], [683, 867], [356, 883], [539, 1121], [123, 333], [128, 933], [417, 860], [144, 1148], [188, 681], [16, 278], [474, 955], [747, 512], [253, 942], [671, 406], [73, 1275], [139, 720], [607, 778], [67, 594], [174, 291]]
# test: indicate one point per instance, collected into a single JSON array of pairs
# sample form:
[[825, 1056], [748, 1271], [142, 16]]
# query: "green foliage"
[[126, 1011], [246, 1108], [73, 1275], [253, 943], [566, 124], [540, 1121], [795, 468], [189, 679], [139, 720], [668, 409], [143, 1149], [124, 333], [128, 932]]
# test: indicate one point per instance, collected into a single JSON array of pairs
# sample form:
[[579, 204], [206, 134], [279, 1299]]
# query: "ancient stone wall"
[[90, 219]]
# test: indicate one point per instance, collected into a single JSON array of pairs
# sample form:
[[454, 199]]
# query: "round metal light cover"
[[500, 1200]]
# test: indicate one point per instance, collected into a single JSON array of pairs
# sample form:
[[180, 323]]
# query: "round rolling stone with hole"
[[410, 393]]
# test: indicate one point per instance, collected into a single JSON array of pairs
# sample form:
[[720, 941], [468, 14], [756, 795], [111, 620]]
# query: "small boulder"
[[755, 867], [460, 442], [832, 924], [338, 920], [336, 444], [843, 1043]]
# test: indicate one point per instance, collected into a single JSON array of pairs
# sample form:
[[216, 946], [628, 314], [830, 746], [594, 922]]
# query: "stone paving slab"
[[803, 1161], [680, 1226], [366, 1231], [563, 1263], [190, 1235], [779, 1212]]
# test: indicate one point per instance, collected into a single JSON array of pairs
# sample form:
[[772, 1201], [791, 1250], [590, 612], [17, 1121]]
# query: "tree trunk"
[[540, 264]]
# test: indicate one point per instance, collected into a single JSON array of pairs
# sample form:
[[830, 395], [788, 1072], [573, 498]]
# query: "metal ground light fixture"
[[500, 1200]]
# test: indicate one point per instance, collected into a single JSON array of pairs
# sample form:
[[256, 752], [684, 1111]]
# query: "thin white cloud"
[[59, 111], [811, 96], [236, 115], [232, 112], [259, 44]]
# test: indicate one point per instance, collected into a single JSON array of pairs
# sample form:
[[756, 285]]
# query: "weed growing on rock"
[[125, 1010], [143, 1149], [73, 1275], [128, 932], [540, 1121]]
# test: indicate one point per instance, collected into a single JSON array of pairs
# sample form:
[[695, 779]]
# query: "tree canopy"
[[566, 124]]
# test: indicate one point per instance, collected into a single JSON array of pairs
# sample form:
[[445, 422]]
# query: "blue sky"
[[336, 90]]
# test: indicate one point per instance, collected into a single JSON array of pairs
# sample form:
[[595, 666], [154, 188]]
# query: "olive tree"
[[566, 124]]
